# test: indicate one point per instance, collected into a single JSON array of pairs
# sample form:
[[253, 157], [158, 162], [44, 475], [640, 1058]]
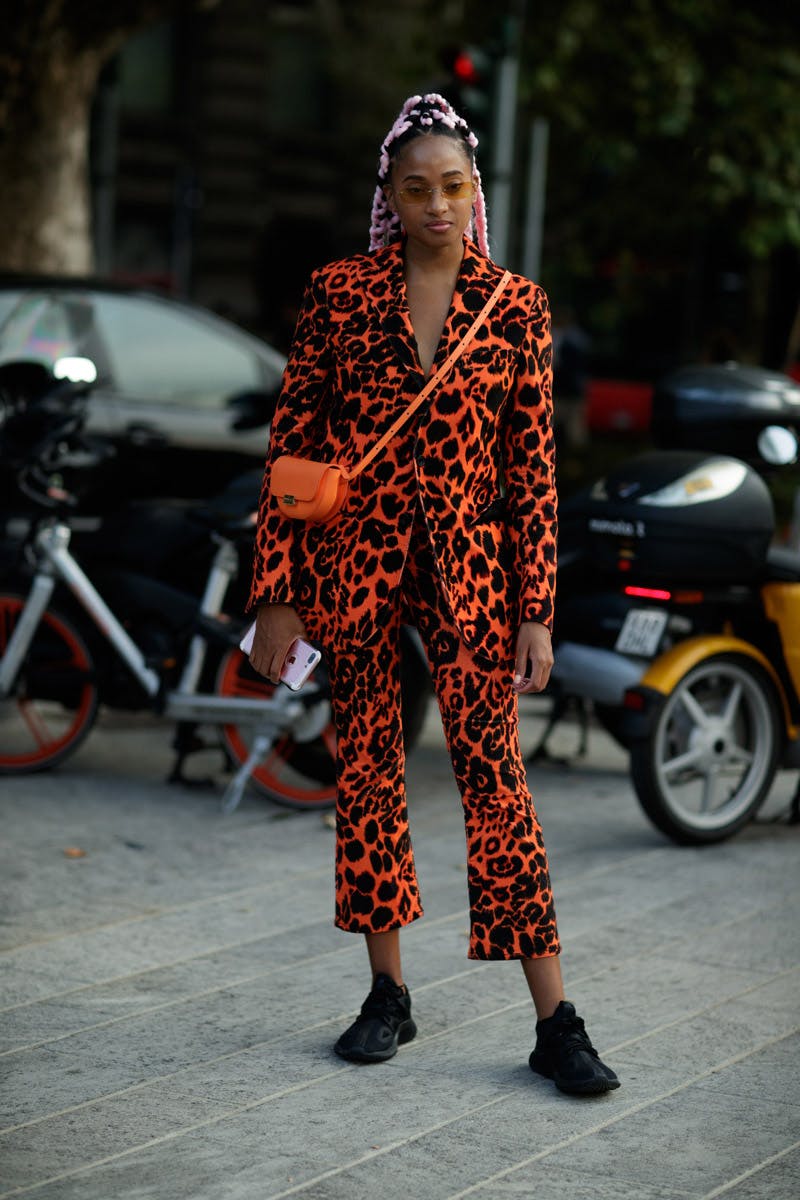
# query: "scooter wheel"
[[712, 752]]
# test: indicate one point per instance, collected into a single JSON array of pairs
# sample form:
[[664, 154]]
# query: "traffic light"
[[470, 86]]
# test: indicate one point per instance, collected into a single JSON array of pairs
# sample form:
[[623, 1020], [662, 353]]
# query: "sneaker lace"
[[571, 1033], [383, 1004]]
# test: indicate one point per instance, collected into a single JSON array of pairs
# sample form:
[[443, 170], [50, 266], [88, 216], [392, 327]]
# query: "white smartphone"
[[301, 658]]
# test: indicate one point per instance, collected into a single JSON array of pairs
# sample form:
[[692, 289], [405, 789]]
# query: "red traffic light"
[[465, 68]]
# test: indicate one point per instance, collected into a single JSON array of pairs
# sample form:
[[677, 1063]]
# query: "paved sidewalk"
[[171, 999]]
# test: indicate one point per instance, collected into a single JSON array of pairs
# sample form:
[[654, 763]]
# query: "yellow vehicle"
[[678, 618], [718, 714]]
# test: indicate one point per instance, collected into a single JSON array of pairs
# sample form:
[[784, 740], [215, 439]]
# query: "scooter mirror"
[[76, 370], [777, 445]]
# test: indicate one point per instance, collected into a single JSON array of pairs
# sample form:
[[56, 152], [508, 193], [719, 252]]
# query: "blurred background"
[[641, 161]]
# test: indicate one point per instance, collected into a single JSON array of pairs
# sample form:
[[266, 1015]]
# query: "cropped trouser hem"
[[475, 951], [500, 957], [356, 926]]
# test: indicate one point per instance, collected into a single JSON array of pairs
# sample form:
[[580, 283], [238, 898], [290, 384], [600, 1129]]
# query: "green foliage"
[[688, 107]]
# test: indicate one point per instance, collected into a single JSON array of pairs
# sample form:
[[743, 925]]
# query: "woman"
[[453, 528]]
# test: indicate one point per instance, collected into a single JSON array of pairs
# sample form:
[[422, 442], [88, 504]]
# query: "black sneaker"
[[384, 1024], [564, 1054]]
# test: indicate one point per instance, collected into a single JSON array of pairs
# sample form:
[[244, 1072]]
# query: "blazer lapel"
[[477, 279], [387, 293]]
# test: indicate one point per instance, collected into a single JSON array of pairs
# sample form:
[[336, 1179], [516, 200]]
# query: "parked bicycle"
[[125, 638]]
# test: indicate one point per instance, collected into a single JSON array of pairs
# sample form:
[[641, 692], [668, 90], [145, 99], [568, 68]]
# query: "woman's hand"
[[534, 658], [277, 625]]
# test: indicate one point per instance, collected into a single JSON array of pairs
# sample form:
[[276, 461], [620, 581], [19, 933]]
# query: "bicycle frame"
[[55, 562], [268, 715]]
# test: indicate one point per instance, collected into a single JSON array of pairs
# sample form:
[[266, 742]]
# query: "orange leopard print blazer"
[[478, 457]]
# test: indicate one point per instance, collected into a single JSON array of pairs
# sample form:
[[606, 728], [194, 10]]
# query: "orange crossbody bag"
[[315, 491]]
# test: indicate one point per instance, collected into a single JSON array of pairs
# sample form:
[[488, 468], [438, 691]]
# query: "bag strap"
[[432, 382]]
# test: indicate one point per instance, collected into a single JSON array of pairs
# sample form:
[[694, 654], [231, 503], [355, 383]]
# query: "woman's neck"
[[444, 261]]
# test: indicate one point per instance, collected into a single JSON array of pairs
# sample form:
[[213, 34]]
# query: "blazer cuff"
[[539, 611], [275, 592]]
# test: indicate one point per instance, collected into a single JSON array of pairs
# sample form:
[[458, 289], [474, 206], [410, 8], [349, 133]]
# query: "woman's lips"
[[438, 226]]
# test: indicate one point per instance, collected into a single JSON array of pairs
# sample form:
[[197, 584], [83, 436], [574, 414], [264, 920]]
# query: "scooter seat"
[[783, 565]]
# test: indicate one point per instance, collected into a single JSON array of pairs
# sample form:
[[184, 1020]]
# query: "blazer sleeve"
[[530, 469], [302, 394]]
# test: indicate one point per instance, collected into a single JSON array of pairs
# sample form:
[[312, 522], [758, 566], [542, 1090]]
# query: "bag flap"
[[298, 477]]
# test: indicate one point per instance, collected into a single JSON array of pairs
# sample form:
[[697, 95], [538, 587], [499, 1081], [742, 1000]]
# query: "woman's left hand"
[[534, 658]]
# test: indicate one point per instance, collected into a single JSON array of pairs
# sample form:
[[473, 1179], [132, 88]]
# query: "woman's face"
[[431, 189]]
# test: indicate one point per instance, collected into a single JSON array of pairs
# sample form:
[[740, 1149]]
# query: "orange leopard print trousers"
[[511, 903]]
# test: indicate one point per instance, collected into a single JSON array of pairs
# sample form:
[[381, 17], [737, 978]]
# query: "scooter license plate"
[[642, 631]]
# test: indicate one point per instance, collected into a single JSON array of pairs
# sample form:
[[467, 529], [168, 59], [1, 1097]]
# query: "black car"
[[184, 395]]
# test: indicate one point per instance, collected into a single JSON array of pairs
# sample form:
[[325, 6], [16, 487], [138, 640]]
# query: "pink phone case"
[[301, 658]]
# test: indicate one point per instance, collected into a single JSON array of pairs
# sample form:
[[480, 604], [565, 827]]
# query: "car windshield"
[[158, 352], [144, 348]]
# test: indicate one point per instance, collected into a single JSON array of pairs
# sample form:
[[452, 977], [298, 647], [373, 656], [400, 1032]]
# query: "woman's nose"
[[436, 201]]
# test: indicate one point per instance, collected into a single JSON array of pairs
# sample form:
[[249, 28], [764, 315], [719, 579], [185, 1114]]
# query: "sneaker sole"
[[405, 1033], [591, 1087]]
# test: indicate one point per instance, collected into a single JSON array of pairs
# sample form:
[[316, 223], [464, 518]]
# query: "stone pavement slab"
[[170, 1000]]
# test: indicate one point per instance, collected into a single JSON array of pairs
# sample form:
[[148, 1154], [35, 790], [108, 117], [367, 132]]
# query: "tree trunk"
[[51, 54], [44, 202]]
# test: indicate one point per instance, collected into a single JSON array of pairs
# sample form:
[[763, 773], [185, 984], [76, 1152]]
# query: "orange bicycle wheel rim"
[[275, 776], [47, 730]]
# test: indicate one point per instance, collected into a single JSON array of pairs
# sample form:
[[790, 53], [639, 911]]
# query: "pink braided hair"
[[419, 113]]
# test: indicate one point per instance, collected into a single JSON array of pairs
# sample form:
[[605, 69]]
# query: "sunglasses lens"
[[419, 193], [458, 191], [416, 194]]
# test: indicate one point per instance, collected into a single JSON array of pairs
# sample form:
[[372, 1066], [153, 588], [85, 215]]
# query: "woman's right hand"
[[277, 625]]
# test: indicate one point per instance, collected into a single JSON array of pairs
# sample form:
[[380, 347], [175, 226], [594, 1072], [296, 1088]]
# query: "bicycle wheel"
[[53, 703], [297, 774]]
